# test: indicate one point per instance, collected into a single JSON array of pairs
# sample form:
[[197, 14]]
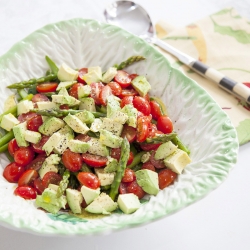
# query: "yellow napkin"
[[221, 41]]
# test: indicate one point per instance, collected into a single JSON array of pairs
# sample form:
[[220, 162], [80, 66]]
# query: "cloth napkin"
[[221, 41]]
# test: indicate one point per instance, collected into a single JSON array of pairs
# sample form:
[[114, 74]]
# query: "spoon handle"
[[238, 89]]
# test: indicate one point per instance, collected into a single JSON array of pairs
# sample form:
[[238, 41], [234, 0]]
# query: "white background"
[[220, 220]]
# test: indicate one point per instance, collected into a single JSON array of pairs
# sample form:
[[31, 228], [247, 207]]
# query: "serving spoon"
[[135, 19]]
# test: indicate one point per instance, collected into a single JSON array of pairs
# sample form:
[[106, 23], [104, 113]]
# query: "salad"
[[89, 140]]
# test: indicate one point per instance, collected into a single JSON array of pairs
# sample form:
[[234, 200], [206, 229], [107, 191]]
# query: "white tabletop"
[[219, 221]]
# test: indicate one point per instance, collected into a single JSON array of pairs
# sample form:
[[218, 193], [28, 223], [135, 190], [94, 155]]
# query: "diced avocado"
[[103, 204], [111, 165], [87, 103], [145, 157], [109, 139], [24, 107], [19, 133], [76, 124], [32, 136], [94, 75], [51, 125], [177, 161], [74, 198], [50, 164], [53, 186], [61, 99], [132, 114], [105, 178], [77, 146], [96, 125], [148, 180], [113, 104], [141, 85], [112, 126], [51, 143], [97, 148], [128, 203], [89, 194], [83, 91], [119, 116], [86, 116], [46, 105], [9, 103], [109, 75], [50, 202], [64, 92], [65, 85], [65, 73], [9, 121], [165, 150]]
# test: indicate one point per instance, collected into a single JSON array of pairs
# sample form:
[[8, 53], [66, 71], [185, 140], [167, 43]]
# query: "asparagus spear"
[[129, 61], [63, 183], [6, 138], [120, 169], [62, 112], [137, 159], [161, 138], [52, 65], [177, 141], [31, 82]]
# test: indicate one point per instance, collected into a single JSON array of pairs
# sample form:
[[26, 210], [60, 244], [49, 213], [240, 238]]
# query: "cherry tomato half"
[[37, 163], [156, 163], [142, 105], [115, 87], [134, 188], [94, 160], [24, 155], [127, 100], [129, 132], [89, 180], [47, 87], [51, 178], [26, 116], [166, 177], [81, 73], [38, 147], [38, 185], [72, 161], [155, 109], [142, 129], [116, 154], [34, 123], [27, 177], [40, 98], [26, 192], [128, 92], [96, 88], [74, 90], [13, 171], [129, 175], [123, 78], [12, 147], [164, 124], [148, 165], [104, 94]]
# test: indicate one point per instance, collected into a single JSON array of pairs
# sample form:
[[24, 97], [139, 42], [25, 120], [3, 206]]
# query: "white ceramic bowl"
[[199, 121]]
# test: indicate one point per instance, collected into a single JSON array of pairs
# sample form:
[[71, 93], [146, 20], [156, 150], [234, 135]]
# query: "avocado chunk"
[[113, 104], [109, 75], [65, 73], [74, 198], [131, 111], [62, 99], [89, 194], [96, 125], [86, 116], [165, 150], [105, 178], [24, 107], [112, 126], [177, 161], [50, 164], [119, 116], [77, 146], [97, 148], [19, 133], [109, 139], [76, 124], [51, 125], [65, 85], [87, 103], [148, 180], [111, 165], [128, 203], [51, 143], [141, 85], [46, 105], [9, 121], [32, 136], [50, 202], [63, 91], [83, 91], [94, 75], [103, 204]]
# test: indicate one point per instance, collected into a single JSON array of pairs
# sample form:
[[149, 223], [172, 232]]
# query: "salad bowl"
[[200, 123]]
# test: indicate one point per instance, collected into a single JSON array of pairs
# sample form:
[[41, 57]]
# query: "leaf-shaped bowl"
[[199, 121]]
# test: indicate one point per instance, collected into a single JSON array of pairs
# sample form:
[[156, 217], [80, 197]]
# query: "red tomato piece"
[[26, 192], [96, 88], [94, 160], [13, 171], [127, 100], [142, 129], [40, 98], [123, 188], [72, 161], [116, 154], [166, 177], [155, 109], [128, 92], [156, 163], [24, 155], [38, 185], [64, 106], [12, 147], [51, 178], [149, 146], [47, 87], [27, 177], [134, 188], [148, 165], [152, 129], [115, 87], [82, 137], [38, 147], [89, 180], [81, 73], [104, 94], [142, 105], [25, 117], [34, 123], [133, 76], [129, 175], [74, 90], [37, 163], [129, 132], [123, 78], [164, 124]]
